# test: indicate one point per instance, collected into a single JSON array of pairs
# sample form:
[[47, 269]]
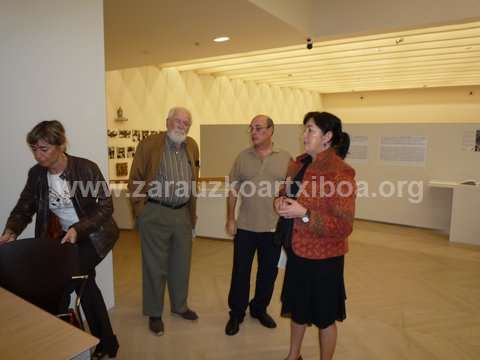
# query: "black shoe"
[[265, 319], [155, 325], [187, 315], [108, 346], [233, 326]]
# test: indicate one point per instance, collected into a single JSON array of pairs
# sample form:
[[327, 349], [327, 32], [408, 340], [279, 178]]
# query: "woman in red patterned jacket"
[[321, 205]]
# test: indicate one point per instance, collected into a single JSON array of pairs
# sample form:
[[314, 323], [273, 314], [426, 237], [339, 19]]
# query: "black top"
[[284, 228]]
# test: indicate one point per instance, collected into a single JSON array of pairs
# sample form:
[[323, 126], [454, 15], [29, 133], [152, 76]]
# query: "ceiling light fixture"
[[221, 39]]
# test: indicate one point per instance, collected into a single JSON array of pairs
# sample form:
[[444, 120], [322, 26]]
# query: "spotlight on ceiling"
[[221, 39]]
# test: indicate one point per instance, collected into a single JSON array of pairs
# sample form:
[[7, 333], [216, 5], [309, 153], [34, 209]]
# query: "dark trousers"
[[245, 245], [92, 302]]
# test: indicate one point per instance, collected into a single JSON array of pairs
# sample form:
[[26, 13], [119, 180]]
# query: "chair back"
[[38, 270]]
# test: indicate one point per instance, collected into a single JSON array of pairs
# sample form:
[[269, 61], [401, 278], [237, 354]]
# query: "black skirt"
[[314, 290]]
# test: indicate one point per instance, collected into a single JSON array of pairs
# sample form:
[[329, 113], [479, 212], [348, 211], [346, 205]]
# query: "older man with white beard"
[[163, 176]]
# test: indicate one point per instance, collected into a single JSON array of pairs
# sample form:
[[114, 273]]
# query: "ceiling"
[[147, 32], [268, 48], [433, 57]]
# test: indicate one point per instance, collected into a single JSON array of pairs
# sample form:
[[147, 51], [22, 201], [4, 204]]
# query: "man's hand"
[[231, 227], [70, 236], [279, 204]]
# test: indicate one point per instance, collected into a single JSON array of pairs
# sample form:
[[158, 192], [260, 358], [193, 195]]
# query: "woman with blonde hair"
[[69, 216]]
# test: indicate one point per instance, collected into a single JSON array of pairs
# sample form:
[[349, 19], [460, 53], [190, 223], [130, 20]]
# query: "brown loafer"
[[187, 315], [155, 324]]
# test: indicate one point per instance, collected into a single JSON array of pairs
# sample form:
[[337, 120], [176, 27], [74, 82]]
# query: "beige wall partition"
[[398, 191]]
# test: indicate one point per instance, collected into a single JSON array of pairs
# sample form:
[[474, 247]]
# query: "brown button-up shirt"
[[174, 176]]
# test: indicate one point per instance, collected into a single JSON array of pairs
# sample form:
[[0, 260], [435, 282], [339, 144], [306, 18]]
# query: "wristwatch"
[[306, 217]]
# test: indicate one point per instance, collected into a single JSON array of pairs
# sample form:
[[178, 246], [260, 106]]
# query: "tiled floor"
[[411, 295]]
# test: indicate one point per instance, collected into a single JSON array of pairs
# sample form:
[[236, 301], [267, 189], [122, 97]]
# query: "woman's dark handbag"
[[105, 237], [284, 229], [283, 232], [54, 229]]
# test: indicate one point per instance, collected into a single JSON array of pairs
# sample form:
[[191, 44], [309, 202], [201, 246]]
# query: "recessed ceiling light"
[[221, 39]]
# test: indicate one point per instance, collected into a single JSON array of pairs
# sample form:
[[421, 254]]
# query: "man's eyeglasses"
[[252, 129]]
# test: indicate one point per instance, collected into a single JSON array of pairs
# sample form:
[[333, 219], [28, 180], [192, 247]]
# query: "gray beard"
[[176, 137]]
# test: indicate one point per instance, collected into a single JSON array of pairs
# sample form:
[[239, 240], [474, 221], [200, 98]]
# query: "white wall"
[[51, 67], [146, 93], [454, 105], [395, 191], [442, 105]]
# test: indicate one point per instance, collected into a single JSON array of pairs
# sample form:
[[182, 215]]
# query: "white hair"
[[175, 109]]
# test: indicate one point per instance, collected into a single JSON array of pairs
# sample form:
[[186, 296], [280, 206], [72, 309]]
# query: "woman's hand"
[[7, 237], [70, 236], [289, 208]]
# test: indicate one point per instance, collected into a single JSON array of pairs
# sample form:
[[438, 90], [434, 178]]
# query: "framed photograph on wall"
[[130, 152], [121, 169], [136, 137], [124, 134], [121, 153], [477, 141]]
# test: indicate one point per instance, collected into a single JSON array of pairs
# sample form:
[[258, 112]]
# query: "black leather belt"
[[174, 207]]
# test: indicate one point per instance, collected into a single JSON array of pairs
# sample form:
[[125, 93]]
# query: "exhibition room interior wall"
[[45, 75], [146, 93]]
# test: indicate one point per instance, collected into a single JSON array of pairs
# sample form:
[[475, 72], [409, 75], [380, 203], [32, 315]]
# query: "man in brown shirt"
[[164, 173], [255, 176]]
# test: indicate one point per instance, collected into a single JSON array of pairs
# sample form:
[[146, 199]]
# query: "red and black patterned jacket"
[[331, 211]]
